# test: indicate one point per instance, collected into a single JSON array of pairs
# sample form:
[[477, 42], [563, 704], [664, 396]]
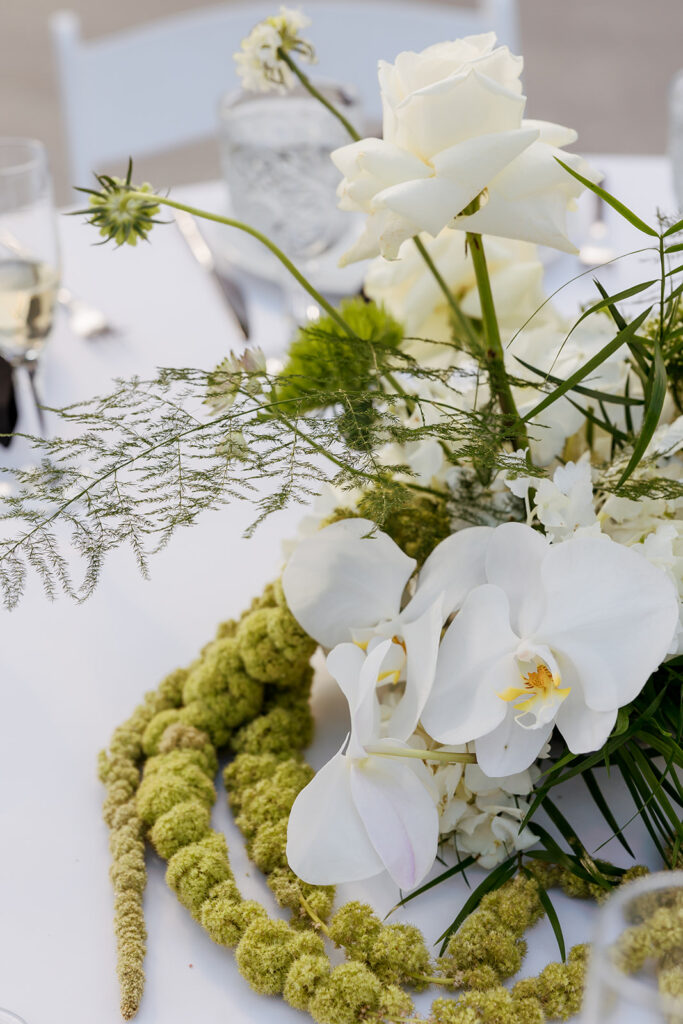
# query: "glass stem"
[[31, 368], [493, 354]]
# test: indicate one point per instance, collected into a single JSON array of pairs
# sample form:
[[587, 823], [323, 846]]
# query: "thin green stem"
[[495, 359], [316, 94], [264, 240], [317, 921], [460, 317], [442, 756]]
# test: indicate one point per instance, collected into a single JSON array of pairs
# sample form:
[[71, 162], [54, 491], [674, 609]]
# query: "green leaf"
[[655, 397], [554, 921], [603, 807], [493, 880], [621, 324], [678, 226], [612, 201], [456, 869], [581, 389], [620, 339], [678, 247], [610, 300], [573, 841]]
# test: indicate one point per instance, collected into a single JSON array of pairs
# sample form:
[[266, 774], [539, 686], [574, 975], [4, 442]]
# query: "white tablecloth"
[[71, 673]]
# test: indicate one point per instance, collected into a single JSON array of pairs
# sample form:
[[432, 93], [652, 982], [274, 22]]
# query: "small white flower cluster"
[[234, 373], [480, 816], [259, 64], [573, 503]]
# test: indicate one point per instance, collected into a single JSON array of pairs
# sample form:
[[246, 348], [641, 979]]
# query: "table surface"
[[72, 673]]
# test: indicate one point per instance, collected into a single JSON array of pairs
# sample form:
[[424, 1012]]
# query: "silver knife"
[[231, 292]]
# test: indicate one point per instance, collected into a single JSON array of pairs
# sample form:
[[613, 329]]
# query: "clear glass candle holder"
[[275, 156], [635, 974]]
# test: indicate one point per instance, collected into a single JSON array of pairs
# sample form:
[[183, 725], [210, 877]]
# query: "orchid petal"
[[513, 563], [399, 814], [476, 662], [583, 729], [454, 568], [611, 613], [327, 842], [357, 675], [510, 748], [421, 639], [349, 575]]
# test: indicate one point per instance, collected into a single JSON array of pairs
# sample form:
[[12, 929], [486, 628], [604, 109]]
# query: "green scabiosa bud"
[[121, 215]]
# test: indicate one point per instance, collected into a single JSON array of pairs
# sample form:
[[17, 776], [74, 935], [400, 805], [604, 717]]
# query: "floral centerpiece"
[[492, 564]]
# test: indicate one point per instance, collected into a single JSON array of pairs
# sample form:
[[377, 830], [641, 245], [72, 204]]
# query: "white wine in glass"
[[29, 254]]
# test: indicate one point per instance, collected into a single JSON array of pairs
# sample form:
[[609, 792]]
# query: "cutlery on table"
[[231, 292], [85, 320]]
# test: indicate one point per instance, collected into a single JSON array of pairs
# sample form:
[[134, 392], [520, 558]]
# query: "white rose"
[[453, 131], [410, 293]]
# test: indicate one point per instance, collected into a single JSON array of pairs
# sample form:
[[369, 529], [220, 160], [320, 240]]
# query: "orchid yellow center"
[[394, 675], [543, 696]]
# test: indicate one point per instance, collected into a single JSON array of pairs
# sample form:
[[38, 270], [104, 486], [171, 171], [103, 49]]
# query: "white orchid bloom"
[[556, 634], [349, 577], [366, 810]]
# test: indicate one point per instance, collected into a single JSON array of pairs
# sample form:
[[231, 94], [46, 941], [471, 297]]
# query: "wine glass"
[[632, 980], [29, 255]]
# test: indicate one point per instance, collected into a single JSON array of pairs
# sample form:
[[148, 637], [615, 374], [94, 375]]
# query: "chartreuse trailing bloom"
[[555, 634], [263, 781]]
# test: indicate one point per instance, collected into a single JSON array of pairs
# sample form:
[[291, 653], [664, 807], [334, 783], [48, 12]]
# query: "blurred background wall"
[[600, 66]]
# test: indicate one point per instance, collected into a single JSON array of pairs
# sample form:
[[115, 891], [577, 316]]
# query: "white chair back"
[[157, 86]]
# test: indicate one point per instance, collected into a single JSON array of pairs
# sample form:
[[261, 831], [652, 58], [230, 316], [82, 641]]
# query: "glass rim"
[[231, 99], [33, 145], [628, 986], [11, 1015]]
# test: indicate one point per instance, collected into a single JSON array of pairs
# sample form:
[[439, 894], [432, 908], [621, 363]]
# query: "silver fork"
[[85, 320]]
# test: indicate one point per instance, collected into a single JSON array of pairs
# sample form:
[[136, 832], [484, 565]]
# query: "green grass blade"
[[678, 226], [549, 908], [657, 389], [600, 802], [581, 389], [592, 364], [612, 201], [494, 879], [456, 869]]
